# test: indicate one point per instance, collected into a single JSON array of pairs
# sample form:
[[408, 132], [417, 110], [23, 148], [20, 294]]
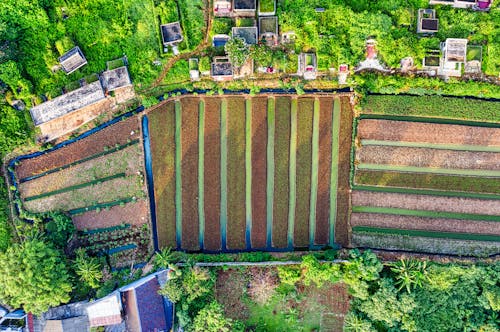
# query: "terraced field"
[[237, 173], [426, 186], [99, 181]]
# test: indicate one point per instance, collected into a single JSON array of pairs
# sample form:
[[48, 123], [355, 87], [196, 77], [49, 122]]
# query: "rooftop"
[[455, 50], [427, 21], [268, 25], [115, 78], [221, 67], [72, 60], [106, 311], [245, 4], [67, 103], [171, 33], [249, 34]]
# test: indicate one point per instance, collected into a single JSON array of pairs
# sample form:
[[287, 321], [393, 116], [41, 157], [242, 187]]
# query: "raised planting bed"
[[304, 155], [428, 181], [426, 202], [426, 223], [406, 131], [189, 142], [431, 170], [322, 234], [162, 132], [236, 221], [434, 146], [212, 236], [105, 230], [128, 161], [115, 189], [281, 167], [259, 171], [119, 133], [422, 157]]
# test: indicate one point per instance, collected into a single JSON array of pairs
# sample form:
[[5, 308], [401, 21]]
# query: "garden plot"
[[425, 223], [423, 157], [117, 134], [128, 161], [389, 130], [426, 202]]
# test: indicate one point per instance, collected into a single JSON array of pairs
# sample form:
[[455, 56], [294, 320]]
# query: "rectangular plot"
[[343, 171], [324, 169], [281, 182], [259, 169], [304, 155], [189, 137], [162, 133], [428, 181], [212, 236], [236, 222]]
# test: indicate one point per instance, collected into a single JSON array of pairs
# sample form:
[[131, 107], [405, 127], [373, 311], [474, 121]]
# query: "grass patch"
[[454, 108], [432, 170], [293, 172], [437, 146], [178, 173], [314, 173], [428, 181], [223, 172], [201, 173], [334, 180], [270, 169]]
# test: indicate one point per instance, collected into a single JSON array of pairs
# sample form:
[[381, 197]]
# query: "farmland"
[[249, 172], [97, 180], [429, 185]]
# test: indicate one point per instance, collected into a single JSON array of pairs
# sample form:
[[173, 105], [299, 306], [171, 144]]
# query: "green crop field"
[[292, 154]]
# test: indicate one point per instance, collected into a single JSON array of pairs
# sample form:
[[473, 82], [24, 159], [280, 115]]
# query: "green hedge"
[[101, 206], [429, 170], [455, 108], [445, 235], [106, 230], [424, 213]]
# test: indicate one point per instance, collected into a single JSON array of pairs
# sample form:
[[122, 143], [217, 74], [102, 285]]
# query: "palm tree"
[[409, 273]]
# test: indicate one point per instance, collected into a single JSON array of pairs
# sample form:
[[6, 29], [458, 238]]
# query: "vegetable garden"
[[426, 184], [249, 173]]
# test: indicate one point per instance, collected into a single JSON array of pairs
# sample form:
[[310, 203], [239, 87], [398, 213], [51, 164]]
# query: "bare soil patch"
[[426, 202], [118, 133], [423, 223], [259, 171], [324, 171], [427, 132], [212, 236], [189, 137], [230, 290], [134, 213], [423, 157]]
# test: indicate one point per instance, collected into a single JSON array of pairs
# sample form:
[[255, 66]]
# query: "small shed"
[[245, 5], [221, 69], [220, 40], [171, 33], [307, 66], [268, 30], [222, 7], [249, 34], [115, 79], [455, 50], [72, 60], [106, 311], [427, 21]]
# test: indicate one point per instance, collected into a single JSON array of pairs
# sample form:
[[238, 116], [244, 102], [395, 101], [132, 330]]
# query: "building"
[[221, 69], [245, 7], [220, 40], [171, 35], [194, 70], [483, 5], [222, 7], [115, 79], [248, 34], [454, 56], [268, 30], [427, 21], [307, 66], [72, 60]]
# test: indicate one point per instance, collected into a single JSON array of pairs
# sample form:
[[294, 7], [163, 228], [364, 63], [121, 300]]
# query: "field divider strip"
[[436, 146], [201, 173], [106, 229], [431, 234], [425, 213], [76, 186], [223, 173], [292, 172], [334, 171], [430, 170], [101, 205], [416, 191], [430, 119], [270, 169], [178, 174], [94, 156], [248, 172], [314, 173]]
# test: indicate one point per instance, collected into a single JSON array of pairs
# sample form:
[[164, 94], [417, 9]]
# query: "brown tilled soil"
[[129, 161], [189, 137], [426, 202], [422, 157], [324, 170], [259, 169], [162, 133], [236, 214], [134, 213], [118, 133], [344, 166], [212, 239], [428, 132], [422, 223], [230, 288]]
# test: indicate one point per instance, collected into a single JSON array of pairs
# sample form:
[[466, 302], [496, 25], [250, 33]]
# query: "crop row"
[[431, 170], [434, 146]]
